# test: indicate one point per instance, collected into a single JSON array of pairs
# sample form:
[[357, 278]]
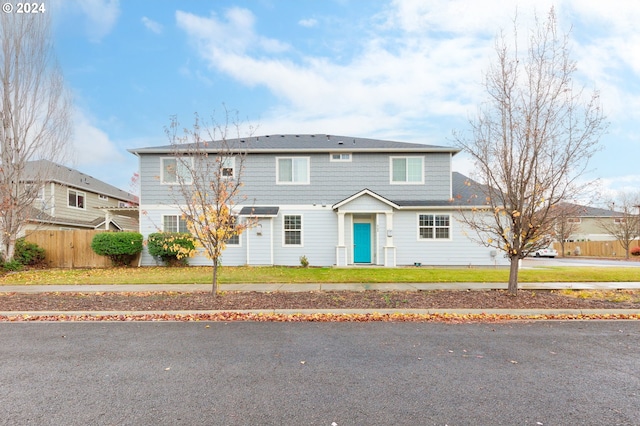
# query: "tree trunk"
[[214, 284], [513, 275]]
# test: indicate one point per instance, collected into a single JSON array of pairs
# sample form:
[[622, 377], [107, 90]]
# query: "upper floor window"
[[573, 220], [434, 226], [340, 156], [228, 166], [175, 170], [407, 170], [292, 170], [103, 197], [76, 199]]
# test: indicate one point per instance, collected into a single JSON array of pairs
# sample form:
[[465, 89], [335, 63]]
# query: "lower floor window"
[[292, 230], [432, 226], [174, 223]]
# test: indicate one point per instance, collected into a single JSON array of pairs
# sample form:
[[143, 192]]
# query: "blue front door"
[[362, 243]]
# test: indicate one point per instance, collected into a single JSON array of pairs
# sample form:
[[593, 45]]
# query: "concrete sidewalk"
[[314, 287]]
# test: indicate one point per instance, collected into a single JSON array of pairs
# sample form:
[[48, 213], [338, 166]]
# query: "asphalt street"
[[538, 373]]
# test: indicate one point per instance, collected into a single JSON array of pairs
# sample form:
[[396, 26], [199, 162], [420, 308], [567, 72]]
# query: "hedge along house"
[[336, 200]]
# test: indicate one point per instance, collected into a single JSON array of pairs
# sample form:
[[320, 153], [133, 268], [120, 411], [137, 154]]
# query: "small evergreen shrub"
[[172, 248], [28, 254], [120, 247], [12, 265], [304, 262]]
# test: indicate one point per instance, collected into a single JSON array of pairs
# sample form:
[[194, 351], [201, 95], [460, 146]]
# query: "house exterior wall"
[[590, 229], [458, 250], [55, 202], [330, 181]]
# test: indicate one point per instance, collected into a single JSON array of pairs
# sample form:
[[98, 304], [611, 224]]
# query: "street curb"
[[337, 312]]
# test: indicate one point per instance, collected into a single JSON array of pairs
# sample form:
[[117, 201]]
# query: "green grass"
[[276, 274]]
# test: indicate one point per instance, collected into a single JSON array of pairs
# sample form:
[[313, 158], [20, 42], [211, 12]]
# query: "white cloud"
[[151, 25], [92, 145], [101, 15], [308, 23]]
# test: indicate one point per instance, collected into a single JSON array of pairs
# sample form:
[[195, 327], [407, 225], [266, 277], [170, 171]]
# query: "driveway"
[[541, 373]]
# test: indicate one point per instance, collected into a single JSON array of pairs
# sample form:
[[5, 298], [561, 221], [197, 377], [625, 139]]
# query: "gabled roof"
[[300, 144], [365, 192], [588, 211], [67, 176]]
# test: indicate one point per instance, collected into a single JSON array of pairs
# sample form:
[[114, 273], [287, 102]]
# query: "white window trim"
[[406, 182], [103, 197], [434, 239], [224, 165], [84, 196], [340, 160], [308, 177], [301, 231], [178, 160], [178, 217], [238, 219]]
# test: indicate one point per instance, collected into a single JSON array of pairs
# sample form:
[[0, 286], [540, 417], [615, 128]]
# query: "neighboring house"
[[70, 199], [586, 222], [336, 200]]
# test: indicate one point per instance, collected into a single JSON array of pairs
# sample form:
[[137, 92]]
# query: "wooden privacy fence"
[[594, 248], [68, 249]]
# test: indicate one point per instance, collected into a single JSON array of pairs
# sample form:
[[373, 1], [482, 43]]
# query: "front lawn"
[[228, 274]]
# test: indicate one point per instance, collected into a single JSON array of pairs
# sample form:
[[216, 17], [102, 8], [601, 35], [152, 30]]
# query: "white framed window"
[[434, 226], [407, 170], [292, 170], [228, 167], [573, 220], [292, 230], [344, 157], [174, 223], [172, 169], [76, 199], [235, 240], [103, 197], [619, 220]]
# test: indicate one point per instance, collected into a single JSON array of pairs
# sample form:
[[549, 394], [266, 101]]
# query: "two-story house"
[[336, 200], [70, 199]]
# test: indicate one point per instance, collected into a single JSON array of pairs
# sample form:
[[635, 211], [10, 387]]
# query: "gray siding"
[[458, 250], [330, 182]]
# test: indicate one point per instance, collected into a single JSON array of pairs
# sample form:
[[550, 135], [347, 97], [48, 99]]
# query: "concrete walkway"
[[314, 287]]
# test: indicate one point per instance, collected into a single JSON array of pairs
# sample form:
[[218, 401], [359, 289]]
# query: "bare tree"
[[625, 227], [567, 222], [531, 143], [208, 172], [35, 116]]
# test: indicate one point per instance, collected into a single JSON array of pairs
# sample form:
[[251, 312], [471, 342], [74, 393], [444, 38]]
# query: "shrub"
[[635, 251], [28, 254], [172, 248], [304, 262], [120, 247], [12, 265]]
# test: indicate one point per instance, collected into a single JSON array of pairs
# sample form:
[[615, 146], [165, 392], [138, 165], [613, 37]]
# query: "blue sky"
[[405, 70]]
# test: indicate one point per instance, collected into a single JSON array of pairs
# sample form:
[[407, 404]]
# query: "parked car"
[[546, 252]]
